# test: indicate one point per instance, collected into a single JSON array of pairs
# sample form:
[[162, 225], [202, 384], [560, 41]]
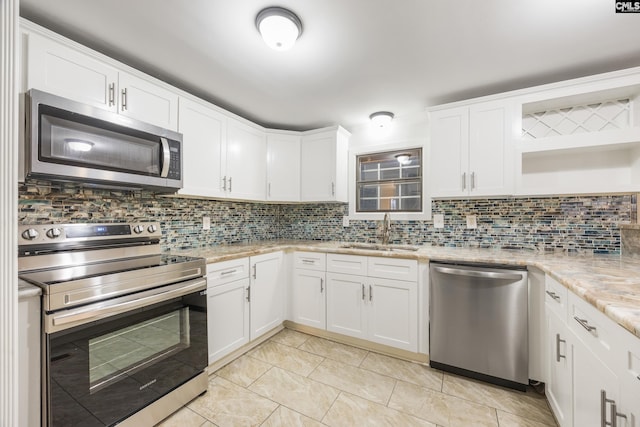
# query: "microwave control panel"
[[175, 164]]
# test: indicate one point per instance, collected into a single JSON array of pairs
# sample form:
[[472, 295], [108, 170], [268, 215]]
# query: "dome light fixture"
[[403, 158], [279, 27], [381, 119]]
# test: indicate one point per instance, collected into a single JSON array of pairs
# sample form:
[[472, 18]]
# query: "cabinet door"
[[449, 159], [318, 167], [29, 362], [490, 149], [145, 101], [630, 407], [227, 318], [308, 296], [283, 167], [203, 132], [267, 297], [590, 378], [346, 312], [559, 369], [61, 70], [246, 161], [393, 313]]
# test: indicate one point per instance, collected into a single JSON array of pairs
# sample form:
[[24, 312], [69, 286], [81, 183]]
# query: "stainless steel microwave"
[[69, 141]]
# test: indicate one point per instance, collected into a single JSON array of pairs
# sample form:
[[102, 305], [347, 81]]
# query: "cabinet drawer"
[[347, 264], [555, 297], [594, 329], [393, 268], [310, 260], [227, 271]]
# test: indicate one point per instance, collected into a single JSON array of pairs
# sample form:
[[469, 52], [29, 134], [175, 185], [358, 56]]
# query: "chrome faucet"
[[386, 228]]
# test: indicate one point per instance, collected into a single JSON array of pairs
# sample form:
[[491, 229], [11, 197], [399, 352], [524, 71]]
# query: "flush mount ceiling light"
[[403, 158], [79, 144], [381, 119], [279, 27]]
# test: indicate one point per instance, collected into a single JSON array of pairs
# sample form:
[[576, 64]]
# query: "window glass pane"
[[390, 174], [390, 181], [368, 205]]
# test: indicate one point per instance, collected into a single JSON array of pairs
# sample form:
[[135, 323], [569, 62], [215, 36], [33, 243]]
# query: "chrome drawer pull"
[[308, 261], [224, 273], [584, 324], [553, 295]]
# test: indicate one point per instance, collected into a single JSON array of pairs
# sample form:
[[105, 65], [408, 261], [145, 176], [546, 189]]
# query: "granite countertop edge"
[[610, 283]]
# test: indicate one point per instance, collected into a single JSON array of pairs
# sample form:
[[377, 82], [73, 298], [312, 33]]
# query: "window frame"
[[424, 214]]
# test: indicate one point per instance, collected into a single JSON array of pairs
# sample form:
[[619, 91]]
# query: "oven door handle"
[[90, 313]]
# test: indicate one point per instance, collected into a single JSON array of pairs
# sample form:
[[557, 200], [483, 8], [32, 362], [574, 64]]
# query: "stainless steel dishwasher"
[[478, 322]]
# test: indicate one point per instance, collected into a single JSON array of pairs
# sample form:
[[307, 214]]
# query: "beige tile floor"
[[295, 379]]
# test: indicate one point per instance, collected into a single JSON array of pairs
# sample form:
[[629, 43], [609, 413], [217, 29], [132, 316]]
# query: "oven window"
[[123, 352]]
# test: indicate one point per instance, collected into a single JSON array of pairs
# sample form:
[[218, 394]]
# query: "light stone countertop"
[[611, 283]]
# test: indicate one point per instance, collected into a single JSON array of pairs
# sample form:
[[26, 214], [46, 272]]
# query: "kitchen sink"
[[379, 247]]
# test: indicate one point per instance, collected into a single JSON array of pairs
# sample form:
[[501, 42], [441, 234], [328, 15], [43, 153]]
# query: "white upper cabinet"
[[66, 69], [143, 100], [283, 166], [471, 150], [204, 133], [246, 162], [58, 69], [323, 166]]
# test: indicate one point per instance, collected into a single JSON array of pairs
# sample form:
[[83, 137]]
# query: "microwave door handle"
[[166, 157]]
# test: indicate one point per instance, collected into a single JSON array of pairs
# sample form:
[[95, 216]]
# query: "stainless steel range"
[[125, 327]]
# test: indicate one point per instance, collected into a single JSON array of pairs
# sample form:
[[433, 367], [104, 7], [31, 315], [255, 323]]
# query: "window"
[[389, 181]]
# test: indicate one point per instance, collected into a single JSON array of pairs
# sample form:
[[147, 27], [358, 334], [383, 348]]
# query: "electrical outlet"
[[471, 221], [345, 221], [206, 223], [438, 221]]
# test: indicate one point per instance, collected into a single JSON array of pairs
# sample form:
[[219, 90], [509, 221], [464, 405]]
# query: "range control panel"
[[62, 233]]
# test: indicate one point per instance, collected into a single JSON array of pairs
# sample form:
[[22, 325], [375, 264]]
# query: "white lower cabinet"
[[29, 363], [377, 309], [266, 295], [227, 318], [245, 300], [596, 389], [346, 310], [308, 298], [559, 370], [590, 362]]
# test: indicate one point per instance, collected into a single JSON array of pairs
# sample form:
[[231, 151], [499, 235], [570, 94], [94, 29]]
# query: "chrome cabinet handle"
[[473, 180], [464, 181], [248, 293], [269, 190], [321, 285], [584, 324], [362, 284], [124, 99], [614, 414], [308, 261], [558, 355], [255, 271], [333, 188], [370, 293], [224, 183], [230, 184], [553, 295], [224, 273], [112, 94]]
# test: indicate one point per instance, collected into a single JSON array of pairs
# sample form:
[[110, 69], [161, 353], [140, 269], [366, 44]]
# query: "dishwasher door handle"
[[478, 273]]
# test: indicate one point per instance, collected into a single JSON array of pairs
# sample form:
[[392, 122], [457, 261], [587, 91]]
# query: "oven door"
[[106, 361]]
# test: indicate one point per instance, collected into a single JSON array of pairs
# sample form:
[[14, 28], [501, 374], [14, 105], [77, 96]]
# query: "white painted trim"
[[9, 56], [399, 145]]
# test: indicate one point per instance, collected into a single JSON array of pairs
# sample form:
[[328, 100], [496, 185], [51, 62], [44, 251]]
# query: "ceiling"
[[354, 57]]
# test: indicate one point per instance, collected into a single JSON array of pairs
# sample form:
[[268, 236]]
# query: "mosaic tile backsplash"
[[585, 224]]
